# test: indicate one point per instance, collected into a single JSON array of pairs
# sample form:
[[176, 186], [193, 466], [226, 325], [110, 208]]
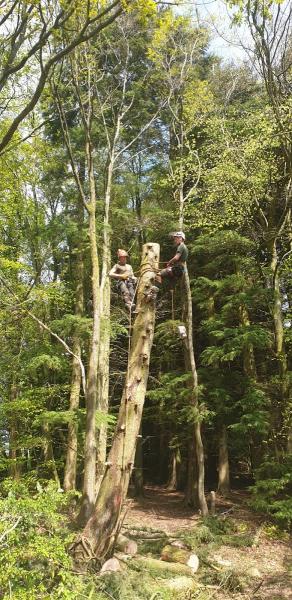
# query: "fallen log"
[[161, 565]]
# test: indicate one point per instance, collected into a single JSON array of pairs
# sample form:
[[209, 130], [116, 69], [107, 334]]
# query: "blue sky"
[[225, 38]]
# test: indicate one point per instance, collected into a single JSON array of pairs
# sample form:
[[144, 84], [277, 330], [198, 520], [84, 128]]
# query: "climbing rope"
[[172, 304]]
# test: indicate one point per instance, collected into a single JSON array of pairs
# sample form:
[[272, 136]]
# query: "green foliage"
[[272, 492], [34, 538], [216, 531]]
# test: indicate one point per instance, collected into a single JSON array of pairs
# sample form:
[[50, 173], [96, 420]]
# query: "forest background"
[[118, 126]]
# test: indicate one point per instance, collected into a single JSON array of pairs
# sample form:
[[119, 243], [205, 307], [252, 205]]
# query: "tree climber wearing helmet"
[[175, 267], [123, 273]]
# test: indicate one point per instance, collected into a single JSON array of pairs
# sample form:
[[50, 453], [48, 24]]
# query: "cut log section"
[[179, 555], [160, 565], [125, 545]]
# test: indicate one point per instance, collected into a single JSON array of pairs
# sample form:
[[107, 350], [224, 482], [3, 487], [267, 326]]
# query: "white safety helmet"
[[179, 234], [122, 252]]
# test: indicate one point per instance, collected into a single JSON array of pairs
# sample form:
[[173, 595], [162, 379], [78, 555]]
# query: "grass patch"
[[129, 586], [228, 579]]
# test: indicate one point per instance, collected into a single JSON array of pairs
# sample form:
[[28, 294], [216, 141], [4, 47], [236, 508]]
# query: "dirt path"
[[266, 558], [161, 509]]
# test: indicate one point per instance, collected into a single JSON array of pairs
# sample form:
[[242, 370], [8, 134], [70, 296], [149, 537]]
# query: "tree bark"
[[105, 297], [223, 462], [174, 466], [249, 367], [138, 468], [88, 498], [71, 454], [99, 534], [49, 454], [249, 364], [14, 469], [191, 494], [191, 366]]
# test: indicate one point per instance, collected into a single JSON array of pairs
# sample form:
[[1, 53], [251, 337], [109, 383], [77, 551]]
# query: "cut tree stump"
[[180, 555], [112, 565], [125, 545]]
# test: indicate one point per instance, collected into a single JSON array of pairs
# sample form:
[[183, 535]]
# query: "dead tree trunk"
[[99, 534]]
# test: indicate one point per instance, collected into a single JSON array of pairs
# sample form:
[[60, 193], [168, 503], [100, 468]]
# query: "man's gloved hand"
[[124, 276]]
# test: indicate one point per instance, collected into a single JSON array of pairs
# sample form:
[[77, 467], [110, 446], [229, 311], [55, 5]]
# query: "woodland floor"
[[245, 557]]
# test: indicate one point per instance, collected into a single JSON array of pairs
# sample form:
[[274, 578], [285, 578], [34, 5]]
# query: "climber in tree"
[[175, 267], [123, 273]]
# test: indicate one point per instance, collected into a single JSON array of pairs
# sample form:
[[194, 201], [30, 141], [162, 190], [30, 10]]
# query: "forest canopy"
[[120, 125]]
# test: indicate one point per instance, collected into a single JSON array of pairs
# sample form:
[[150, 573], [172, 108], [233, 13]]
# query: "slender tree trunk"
[[49, 454], [189, 347], [103, 383], [277, 312], [161, 457], [99, 533], [104, 348], [174, 466], [191, 494], [223, 462], [249, 367], [138, 467], [191, 366], [72, 442], [15, 470], [249, 364], [88, 498], [279, 409]]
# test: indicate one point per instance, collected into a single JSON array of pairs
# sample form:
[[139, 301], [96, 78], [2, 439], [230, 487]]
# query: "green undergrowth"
[[36, 531], [218, 531]]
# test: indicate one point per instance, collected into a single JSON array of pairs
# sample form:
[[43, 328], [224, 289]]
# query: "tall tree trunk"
[[249, 364], [49, 453], [190, 362], [138, 467], [174, 466], [105, 297], [277, 311], [223, 461], [88, 497], [99, 533], [15, 470], [191, 493], [71, 453], [103, 382], [249, 367], [279, 408], [191, 366]]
